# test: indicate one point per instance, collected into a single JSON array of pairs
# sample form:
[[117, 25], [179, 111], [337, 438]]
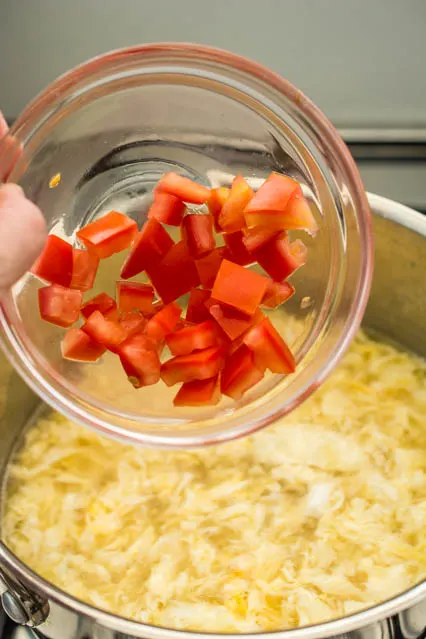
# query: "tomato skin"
[[277, 293], [166, 209], [273, 195], [102, 330], [140, 360], [280, 258], [191, 338], [183, 188], [163, 322], [84, 269], [269, 349], [196, 310], [208, 266], [256, 237], [199, 365], [231, 217], [197, 232], [148, 249], [232, 322], [102, 302], [299, 214], [240, 373], [79, 347], [238, 287], [135, 296], [175, 275], [132, 322], [59, 305], [215, 203], [110, 234], [205, 392], [237, 252], [55, 263]]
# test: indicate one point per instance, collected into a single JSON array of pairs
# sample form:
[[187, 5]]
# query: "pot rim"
[[381, 207]]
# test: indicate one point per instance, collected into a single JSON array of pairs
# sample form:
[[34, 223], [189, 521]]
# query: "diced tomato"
[[204, 392], [78, 346], [175, 275], [59, 305], [102, 330], [215, 202], [197, 232], [280, 258], [277, 293], [238, 253], [163, 322], [238, 287], [299, 215], [272, 197], [140, 360], [269, 348], [257, 237], [149, 247], [240, 373], [232, 322], [192, 338], [84, 269], [112, 314], [135, 296], [209, 265], [55, 263], [110, 234], [166, 209], [102, 302], [132, 322], [183, 188], [198, 365], [196, 310], [231, 217]]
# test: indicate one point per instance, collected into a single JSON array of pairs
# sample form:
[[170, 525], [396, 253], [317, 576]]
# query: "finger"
[[3, 126], [22, 235]]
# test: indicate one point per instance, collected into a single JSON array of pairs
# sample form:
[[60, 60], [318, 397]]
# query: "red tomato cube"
[[149, 247], [215, 202], [237, 252], [273, 195], [110, 234], [280, 258], [135, 296], [196, 310], [132, 322], [299, 215], [208, 266], [175, 275], [258, 236], [200, 392], [78, 346], [102, 302], [199, 365], [197, 232], [192, 338], [269, 348], [84, 269], [240, 373], [232, 322], [238, 287], [166, 209], [231, 217], [59, 305], [55, 263], [163, 322], [140, 360], [277, 293], [102, 330], [183, 188]]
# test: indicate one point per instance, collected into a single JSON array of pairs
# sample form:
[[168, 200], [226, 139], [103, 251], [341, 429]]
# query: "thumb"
[[22, 235]]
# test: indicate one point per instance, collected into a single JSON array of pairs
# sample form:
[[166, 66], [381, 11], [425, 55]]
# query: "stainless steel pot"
[[397, 309]]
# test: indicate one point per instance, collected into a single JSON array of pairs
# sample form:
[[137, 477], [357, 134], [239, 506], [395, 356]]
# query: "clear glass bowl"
[[111, 128]]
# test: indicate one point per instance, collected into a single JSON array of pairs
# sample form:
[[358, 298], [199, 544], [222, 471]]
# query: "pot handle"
[[23, 606]]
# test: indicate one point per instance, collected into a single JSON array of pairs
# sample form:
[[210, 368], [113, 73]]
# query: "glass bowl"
[[110, 128]]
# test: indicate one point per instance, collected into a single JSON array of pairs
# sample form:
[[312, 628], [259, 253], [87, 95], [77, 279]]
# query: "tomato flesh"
[[231, 217], [299, 214], [197, 232], [135, 296], [237, 250], [183, 188], [215, 203], [55, 263], [238, 287], [269, 348], [240, 373], [132, 322], [232, 322], [59, 305], [149, 247], [192, 338], [84, 269], [280, 258], [277, 293], [208, 266], [166, 209], [102, 302], [140, 361], [175, 275], [200, 392], [198, 365], [163, 322], [196, 310], [105, 331], [78, 346], [257, 237], [110, 234], [273, 195]]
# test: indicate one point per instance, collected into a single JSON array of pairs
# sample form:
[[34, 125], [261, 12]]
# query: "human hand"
[[22, 231]]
